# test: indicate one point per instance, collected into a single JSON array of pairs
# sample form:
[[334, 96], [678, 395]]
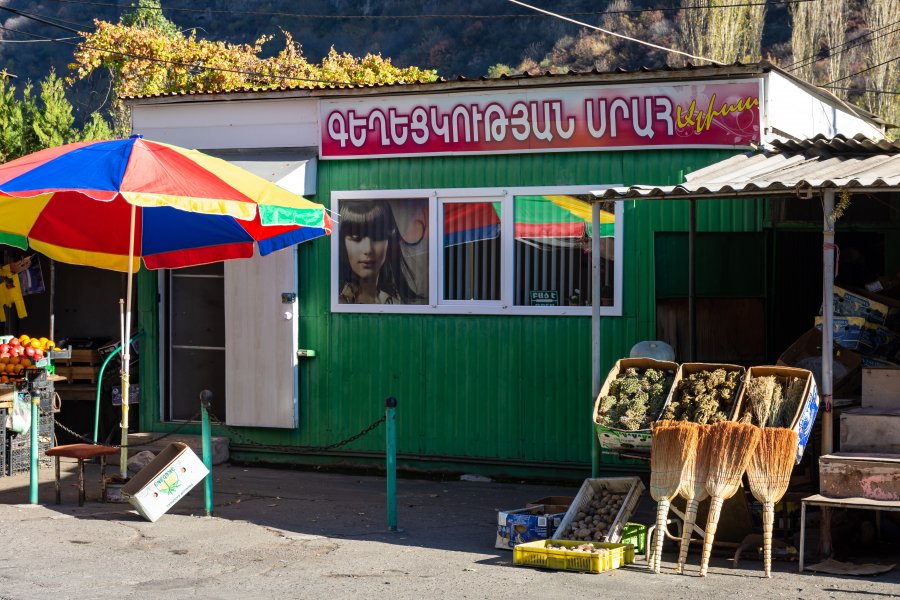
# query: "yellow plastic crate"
[[536, 554]]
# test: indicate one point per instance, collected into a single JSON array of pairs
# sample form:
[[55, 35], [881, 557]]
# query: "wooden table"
[[858, 503]]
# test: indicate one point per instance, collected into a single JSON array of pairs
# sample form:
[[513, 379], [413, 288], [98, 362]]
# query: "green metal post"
[[205, 402], [390, 414], [35, 426]]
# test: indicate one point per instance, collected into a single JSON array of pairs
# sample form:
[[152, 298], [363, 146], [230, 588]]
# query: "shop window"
[[474, 251], [470, 235], [383, 251], [553, 246]]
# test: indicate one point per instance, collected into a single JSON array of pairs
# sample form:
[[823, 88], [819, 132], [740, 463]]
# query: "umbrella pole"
[[126, 351]]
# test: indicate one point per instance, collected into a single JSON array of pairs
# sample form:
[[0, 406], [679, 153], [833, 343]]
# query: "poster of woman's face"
[[383, 251]]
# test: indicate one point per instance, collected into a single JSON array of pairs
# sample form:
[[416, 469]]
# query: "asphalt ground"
[[300, 534]]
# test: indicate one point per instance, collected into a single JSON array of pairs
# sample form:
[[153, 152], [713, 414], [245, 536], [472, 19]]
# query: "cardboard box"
[[631, 487], [687, 369], [873, 307], [806, 353], [807, 410], [870, 430], [881, 388], [850, 333], [885, 341], [616, 439], [164, 481], [525, 525], [857, 475], [872, 361], [553, 504]]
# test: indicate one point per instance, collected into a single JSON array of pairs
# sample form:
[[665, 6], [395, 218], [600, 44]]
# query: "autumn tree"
[[721, 30], [881, 81], [805, 35], [147, 60]]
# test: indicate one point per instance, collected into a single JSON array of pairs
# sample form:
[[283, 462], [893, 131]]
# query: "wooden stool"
[[81, 452]]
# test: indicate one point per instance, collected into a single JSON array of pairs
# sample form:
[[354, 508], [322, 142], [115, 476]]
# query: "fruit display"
[[635, 398], [592, 522], [20, 353], [704, 397]]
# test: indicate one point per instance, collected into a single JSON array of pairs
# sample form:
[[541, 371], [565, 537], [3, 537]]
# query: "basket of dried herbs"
[[704, 393], [632, 397]]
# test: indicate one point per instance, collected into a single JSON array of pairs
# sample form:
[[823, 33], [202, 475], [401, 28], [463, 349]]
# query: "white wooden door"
[[261, 340]]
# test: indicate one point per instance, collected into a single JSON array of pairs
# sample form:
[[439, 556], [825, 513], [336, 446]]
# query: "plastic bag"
[[20, 418]]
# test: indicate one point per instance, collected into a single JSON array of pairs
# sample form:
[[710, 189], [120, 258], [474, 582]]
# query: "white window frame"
[[436, 197]]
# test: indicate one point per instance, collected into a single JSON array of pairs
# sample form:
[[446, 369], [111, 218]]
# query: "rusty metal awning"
[[788, 168]]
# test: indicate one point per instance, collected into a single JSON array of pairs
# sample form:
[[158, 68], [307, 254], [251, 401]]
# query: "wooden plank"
[[881, 388], [863, 503], [872, 476]]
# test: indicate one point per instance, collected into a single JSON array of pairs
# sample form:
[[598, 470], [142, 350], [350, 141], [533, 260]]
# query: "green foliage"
[[147, 14], [498, 70], [30, 122], [51, 119]]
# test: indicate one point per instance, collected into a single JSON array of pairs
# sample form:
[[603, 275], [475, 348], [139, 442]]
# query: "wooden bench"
[[858, 503]]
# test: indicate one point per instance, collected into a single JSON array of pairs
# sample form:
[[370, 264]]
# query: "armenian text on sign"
[[715, 114]]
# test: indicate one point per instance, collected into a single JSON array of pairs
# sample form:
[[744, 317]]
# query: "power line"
[[41, 19], [5, 41], [862, 90], [437, 16], [41, 38], [846, 46], [860, 72], [612, 33]]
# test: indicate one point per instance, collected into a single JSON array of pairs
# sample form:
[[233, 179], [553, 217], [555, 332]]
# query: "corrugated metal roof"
[[690, 70], [817, 163]]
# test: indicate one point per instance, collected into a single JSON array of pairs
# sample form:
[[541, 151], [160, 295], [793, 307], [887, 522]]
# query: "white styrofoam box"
[[870, 430], [164, 481]]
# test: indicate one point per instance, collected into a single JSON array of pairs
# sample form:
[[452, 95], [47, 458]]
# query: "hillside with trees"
[[848, 44]]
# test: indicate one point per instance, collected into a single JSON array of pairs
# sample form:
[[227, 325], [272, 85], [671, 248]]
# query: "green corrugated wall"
[[514, 390]]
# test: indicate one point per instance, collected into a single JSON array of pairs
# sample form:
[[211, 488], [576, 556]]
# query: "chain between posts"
[[242, 437], [149, 442], [304, 450]]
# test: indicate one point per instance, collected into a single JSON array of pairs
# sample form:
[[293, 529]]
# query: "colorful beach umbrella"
[[114, 204], [536, 217]]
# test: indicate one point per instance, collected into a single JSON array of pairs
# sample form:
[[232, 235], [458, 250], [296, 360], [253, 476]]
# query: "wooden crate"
[[82, 356], [7, 395], [82, 373]]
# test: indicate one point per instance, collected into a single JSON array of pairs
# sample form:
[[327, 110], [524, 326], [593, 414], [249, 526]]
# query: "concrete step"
[[220, 451]]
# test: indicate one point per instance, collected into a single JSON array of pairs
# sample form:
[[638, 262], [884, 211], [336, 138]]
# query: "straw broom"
[[694, 491], [731, 447], [673, 450], [769, 474]]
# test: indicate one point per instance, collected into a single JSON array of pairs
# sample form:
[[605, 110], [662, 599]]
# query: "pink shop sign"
[[707, 115]]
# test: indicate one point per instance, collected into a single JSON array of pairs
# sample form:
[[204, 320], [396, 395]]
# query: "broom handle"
[[715, 508], [768, 526], [690, 517], [662, 514]]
